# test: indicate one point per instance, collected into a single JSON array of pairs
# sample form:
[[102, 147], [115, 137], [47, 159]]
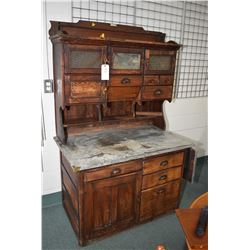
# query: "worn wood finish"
[[71, 190], [158, 200], [122, 93], [157, 92], [80, 49], [125, 81], [112, 171], [108, 199], [162, 162], [110, 203], [161, 177]]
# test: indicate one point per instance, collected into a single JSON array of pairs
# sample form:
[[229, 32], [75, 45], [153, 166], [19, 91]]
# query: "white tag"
[[105, 72]]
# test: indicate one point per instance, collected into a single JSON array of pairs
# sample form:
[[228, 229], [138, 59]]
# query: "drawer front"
[[151, 80], [166, 80], [158, 200], [114, 170], [124, 81], [122, 93], [83, 89], [157, 92], [161, 177], [162, 162]]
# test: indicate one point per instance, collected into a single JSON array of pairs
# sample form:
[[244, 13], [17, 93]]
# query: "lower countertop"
[[98, 149]]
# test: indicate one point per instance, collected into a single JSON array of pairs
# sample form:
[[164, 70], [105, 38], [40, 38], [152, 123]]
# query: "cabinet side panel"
[[58, 69]]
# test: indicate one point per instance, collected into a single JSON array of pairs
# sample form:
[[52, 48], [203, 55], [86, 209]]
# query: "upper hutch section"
[[141, 75]]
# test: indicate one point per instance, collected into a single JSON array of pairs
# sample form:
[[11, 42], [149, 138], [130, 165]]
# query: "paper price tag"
[[105, 72]]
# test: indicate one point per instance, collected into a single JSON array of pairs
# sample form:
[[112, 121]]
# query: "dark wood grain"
[[108, 199], [154, 164]]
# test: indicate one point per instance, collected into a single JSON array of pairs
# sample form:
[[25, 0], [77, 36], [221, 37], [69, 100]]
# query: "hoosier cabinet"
[[119, 167]]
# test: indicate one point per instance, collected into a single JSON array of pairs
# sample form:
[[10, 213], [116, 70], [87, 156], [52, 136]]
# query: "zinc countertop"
[[98, 149]]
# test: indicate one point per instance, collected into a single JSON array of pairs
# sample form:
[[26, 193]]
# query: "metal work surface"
[[91, 150]]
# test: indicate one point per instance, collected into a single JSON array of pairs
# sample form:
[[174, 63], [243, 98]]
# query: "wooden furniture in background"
[[104, 200], [189, 219]]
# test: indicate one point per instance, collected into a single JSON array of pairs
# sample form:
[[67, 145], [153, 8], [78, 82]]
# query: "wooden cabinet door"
[[159, 62], [126, 60], [111, 204], [84, 58]]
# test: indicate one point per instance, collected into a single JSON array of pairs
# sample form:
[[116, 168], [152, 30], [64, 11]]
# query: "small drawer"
[[161, 177], [151, 80], [123, 81], [80, 89], [123, 93], [162, 162], [166, 80], [156, 92], [114, 170]]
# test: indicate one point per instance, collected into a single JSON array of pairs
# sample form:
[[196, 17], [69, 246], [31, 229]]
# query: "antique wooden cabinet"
[[118, 165]]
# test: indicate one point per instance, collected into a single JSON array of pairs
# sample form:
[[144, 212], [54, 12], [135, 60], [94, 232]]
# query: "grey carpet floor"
[[58, 234]]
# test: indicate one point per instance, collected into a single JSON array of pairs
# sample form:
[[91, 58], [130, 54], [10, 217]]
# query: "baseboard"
[[53, 199]]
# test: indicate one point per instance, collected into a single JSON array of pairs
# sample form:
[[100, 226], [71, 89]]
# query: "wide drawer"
[[157, 92], [123, 93], [158, 200], [80, 89], [124, 81], [161, 177], [114, 170], [162, 162]]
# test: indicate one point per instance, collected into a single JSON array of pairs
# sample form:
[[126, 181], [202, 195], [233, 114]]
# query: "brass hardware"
[[152, 81], [102, 36], [93, 24], [163, 177], [116, 171], [164, 163], [157, 92], [76, 169], [125, 81], [160, 191]]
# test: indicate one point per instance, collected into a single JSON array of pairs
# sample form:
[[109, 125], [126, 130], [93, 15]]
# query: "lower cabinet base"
[[85, 242], [101, 202]]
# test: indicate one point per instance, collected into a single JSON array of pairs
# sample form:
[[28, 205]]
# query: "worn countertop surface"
[[91, 150]]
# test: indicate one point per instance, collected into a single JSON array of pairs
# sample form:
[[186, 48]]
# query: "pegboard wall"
[[185, 22]]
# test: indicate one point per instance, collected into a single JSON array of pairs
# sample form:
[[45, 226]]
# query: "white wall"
[[59, 11], [188, 116]]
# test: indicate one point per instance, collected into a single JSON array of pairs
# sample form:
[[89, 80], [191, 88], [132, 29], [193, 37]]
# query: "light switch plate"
[[48, 86]]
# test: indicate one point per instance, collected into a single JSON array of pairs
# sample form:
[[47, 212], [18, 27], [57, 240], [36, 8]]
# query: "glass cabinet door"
[[160, 62], [84, 59], [126, 60]]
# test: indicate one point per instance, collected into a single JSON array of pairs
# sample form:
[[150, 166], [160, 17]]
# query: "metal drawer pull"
[[163, 177], [158, 92], [164, 163], [125, 81], [160, 191], [152, 81], [116, 171]]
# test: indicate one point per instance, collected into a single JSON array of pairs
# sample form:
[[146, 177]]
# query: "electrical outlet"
[[48, 86]]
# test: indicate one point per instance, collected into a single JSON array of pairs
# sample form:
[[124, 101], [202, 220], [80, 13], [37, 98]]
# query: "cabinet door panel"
[[84, 58], [111, 203], [84, 89], [126, 60], [160, 62]]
